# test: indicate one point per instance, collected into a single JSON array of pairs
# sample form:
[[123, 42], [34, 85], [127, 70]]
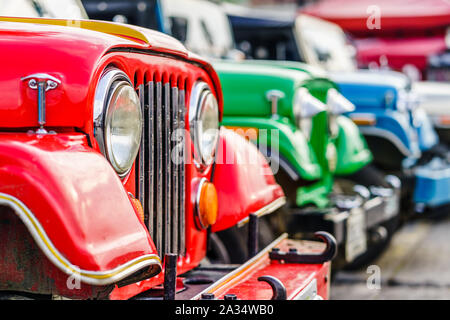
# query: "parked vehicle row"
[[389, 108], [136, 166], [414, 41], [115, 173]]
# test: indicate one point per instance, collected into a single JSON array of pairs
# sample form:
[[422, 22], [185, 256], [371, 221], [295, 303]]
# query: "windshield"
[[202, 26], [63, 9], [325, 44], [143, 13]]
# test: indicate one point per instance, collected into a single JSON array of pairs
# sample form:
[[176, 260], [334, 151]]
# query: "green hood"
[[245, 86], [312, 71]]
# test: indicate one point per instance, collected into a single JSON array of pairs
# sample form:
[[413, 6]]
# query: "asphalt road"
[[415, 266]]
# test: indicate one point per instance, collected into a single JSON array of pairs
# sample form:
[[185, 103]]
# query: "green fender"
[[292, 145], [352, 150], [244, 87]]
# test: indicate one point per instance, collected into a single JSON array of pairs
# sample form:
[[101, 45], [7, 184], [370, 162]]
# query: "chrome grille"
[[161, 172]]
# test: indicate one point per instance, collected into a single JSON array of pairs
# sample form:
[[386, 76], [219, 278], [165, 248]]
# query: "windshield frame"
[[311, 57]]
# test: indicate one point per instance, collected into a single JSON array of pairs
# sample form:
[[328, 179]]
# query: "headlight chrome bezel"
[[201, 95], [305, 107], [337, 103], [111, 82]]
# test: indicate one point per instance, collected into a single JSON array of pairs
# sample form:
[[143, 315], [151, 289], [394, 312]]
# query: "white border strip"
[[372, 131], [91, 277], [271, 207]]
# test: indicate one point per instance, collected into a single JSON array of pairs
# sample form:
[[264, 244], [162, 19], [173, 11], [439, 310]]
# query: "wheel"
[[217, 252], [234, 241]]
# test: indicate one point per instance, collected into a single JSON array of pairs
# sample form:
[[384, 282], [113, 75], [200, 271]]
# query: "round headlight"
[[337, 103], [118, 120], [306, 106], [204, 123]]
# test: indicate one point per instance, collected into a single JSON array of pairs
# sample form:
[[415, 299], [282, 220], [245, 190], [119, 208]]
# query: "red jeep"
[[110, 184]]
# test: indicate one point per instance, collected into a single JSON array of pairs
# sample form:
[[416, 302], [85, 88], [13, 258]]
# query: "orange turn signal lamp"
[[364, 119], [207, 204], [137, 206], [444, 120], [248, 133]]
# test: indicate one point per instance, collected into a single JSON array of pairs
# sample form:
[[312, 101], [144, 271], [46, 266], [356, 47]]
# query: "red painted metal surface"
[[243, 179], [72, 55], [409, 31], [78, 210], [24, 267], [412, 15], [399, 52], [295, 277]]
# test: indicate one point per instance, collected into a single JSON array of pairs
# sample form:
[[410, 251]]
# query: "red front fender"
[[244, 181], [75, 208]]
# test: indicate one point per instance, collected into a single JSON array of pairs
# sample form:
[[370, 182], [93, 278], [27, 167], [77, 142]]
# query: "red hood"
[[352, 15], [414, 51], [70, 54]]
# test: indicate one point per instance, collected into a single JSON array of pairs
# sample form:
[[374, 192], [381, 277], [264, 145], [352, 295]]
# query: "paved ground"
[[415, 266]]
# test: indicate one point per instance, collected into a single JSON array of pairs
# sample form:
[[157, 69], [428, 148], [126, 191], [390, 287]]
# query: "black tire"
[[217, 252], [234, 240], [369, 176]]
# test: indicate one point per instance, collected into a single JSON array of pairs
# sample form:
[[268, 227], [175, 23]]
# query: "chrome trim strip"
[[309, 292], [88, 276], [141, 156], [42, 76], [168, 172], [151, 158], [372, 131], [175, 169], [182, 180], [159, 170], [197, 202], [271, 207]]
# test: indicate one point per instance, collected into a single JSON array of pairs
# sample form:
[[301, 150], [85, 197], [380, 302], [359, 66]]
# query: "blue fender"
[[391, 125], [375, 96], [379, 112]]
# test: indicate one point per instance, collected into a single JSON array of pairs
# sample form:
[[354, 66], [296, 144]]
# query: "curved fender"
[[75, 207], [244, 181], [296, 154], [352, 150], [393, 126]]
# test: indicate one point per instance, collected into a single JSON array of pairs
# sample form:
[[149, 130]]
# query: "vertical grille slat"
[[182, 182], [175, 169], [168, 172], [150, 129], [160, 174], [141, 155], [159, 170]]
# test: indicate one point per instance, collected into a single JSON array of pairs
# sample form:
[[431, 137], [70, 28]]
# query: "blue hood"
[[372, 88], [378, 92]]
